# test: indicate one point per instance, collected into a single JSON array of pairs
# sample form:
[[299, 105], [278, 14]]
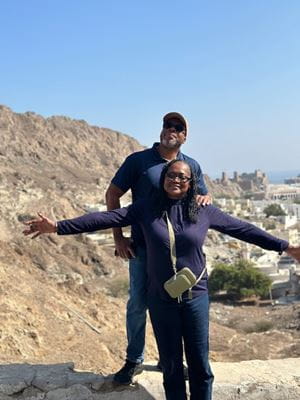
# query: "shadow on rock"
[[62, 382]]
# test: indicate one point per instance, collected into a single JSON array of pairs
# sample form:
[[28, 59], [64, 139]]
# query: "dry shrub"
[[258, 326], [118, 287]]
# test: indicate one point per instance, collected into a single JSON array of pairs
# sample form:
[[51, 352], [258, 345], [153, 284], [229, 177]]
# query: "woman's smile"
[[177, 180]]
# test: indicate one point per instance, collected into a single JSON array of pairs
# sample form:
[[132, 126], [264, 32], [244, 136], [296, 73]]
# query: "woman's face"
[[177, 180]]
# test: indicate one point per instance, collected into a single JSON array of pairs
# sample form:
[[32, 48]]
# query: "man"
[[140, 173]]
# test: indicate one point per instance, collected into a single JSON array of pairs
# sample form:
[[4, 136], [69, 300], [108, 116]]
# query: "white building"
[[287, 220], [282, 192], [292, 209]]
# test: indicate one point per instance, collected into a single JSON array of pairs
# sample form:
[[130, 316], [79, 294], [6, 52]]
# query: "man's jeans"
[[175, 324], [137, 307]]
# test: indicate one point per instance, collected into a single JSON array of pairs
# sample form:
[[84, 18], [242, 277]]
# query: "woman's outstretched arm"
[[86, 223], [249, 233]]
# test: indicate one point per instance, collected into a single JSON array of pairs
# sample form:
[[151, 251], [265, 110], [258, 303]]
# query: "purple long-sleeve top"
[[189, 237]]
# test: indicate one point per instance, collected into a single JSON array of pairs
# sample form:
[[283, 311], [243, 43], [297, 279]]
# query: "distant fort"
[[251, 182], [257, 183]]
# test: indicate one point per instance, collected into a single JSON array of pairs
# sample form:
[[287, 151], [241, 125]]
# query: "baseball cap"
[[178, 116]]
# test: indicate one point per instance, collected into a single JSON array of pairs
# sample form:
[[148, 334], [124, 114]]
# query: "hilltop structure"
[[256, 181]]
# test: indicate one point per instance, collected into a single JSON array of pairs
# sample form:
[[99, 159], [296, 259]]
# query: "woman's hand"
[[294, 251], [37, 227]]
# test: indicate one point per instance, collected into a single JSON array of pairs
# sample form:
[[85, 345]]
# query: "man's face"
[[173, 134]]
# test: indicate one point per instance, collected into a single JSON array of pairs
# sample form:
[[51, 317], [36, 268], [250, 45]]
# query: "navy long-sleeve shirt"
[[141, 173], [189, 237]]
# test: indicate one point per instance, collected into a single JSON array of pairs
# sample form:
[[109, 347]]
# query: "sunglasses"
[[178, 127], [174, 175]]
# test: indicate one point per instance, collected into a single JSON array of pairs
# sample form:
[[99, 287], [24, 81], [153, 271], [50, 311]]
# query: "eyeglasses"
[[181, 177], [178, 127]]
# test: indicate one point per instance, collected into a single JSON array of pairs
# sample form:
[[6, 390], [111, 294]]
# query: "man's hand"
[[203, 200], [123, 244], [123, 248], [294, 251], [37, 227]]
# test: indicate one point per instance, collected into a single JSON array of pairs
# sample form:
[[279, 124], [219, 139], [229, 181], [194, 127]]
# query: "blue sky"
[[231, 66]]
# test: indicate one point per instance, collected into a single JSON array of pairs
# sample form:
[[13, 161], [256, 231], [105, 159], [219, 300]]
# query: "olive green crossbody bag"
[[182, 280]]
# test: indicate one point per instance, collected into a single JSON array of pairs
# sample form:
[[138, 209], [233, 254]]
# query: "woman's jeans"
[[137, 307], [183, 324]]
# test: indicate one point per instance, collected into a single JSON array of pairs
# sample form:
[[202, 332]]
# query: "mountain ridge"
[[54, 290]]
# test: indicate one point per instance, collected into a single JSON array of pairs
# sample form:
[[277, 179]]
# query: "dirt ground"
[[46, 320], [252, 332]]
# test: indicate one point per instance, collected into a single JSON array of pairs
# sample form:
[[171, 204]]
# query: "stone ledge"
[[251, 380]]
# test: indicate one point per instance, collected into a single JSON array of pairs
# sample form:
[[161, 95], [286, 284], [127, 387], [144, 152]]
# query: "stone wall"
[[247, 380]]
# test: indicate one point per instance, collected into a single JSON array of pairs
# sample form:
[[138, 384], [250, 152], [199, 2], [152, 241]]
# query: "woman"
[[175, 323]]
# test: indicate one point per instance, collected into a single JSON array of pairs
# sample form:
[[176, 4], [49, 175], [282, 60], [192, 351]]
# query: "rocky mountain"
[[57, 159], [63, 299], [230, 190], [58, 166]]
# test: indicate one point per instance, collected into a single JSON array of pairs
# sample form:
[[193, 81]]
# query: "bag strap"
[[201, 275], [173, 249], [172, 243]]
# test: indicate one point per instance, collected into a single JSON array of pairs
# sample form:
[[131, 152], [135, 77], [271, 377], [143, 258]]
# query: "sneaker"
[[185, 370], [127, 372]]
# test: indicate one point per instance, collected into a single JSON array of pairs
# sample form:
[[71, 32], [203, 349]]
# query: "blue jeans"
[[177, 324], [137, 307]]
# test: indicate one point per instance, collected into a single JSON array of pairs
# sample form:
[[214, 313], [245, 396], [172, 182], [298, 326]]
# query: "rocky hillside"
[[230, 190], [59, 166], [56, 162], [63, 298]]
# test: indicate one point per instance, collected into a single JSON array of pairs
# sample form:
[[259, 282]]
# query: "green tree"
[[239, 280], [274, 209]]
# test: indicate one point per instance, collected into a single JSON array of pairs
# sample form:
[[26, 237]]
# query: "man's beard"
[[171, 143]]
